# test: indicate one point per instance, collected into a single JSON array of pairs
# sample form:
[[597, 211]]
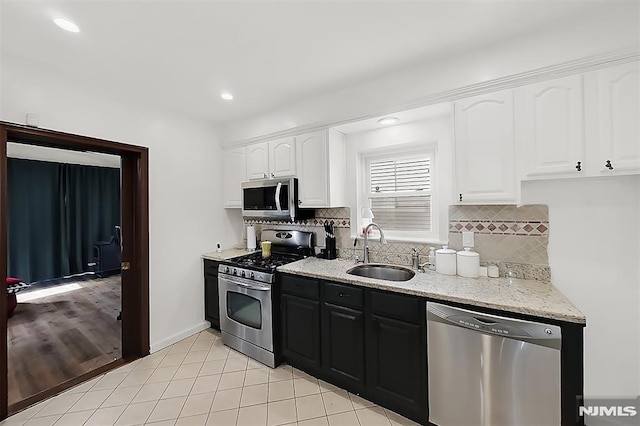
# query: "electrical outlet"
[[467, 239]]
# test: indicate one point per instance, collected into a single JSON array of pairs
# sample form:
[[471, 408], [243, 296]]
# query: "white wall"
[[594, 252], [435, 131], [185, 214], [595, 35]]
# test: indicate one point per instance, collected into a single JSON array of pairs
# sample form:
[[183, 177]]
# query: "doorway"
[[135, 248]]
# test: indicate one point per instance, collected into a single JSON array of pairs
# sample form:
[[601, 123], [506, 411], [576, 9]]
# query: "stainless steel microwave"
[[270, 198]]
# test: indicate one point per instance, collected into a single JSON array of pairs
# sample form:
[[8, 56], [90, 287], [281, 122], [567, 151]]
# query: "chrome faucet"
[[383, 240]]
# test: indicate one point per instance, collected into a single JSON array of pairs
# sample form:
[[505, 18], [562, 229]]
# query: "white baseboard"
[[170, 340]]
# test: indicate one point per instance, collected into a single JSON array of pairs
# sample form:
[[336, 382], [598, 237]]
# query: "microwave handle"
[[278, 187]]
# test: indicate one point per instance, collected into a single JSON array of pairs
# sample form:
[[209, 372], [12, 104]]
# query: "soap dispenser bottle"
[[432, 259]]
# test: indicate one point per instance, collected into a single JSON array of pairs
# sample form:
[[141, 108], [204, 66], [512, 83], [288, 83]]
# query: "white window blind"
[[400, 192]]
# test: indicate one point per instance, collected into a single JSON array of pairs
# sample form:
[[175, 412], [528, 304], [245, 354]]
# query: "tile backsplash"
[[339, 217], [514, 237]]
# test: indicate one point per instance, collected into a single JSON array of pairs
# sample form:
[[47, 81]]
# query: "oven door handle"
[[251, 286], [278, 188]]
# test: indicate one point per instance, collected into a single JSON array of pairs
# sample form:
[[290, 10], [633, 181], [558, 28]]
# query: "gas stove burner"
[[255, 261]]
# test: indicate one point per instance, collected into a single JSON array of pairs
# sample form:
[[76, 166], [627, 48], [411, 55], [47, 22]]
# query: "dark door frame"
[[135, 250]]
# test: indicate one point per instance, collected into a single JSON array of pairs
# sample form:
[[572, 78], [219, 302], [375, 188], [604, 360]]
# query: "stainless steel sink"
[[382, 272]]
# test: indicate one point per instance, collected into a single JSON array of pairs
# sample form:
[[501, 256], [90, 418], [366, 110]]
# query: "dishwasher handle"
[[526, 331]]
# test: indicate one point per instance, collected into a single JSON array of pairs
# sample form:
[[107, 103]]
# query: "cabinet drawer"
[[302, 287], [211, 267], [343, 295], [400, 306]]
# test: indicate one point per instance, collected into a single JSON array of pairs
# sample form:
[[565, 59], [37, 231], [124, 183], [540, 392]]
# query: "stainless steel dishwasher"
[[490, 370]]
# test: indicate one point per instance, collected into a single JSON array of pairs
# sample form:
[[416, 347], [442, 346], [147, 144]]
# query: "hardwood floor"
[[54, 338]]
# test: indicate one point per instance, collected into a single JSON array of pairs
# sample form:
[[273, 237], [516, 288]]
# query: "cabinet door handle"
[[343, 294], [461, 196], [299, 202], [608, 165], [579, 166], [272, 175], [264, 175]]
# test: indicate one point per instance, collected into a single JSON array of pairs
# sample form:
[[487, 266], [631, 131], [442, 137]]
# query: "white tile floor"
[[199, 381]]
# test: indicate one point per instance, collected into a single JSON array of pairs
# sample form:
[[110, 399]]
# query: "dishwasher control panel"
[[494, 324]]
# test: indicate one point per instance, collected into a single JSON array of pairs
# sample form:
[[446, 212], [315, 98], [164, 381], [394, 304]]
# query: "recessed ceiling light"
[[66, 25], [388, 120], [226, 96]]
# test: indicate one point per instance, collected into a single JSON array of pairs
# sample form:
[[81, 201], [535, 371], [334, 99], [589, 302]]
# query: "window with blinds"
[[400, 192]]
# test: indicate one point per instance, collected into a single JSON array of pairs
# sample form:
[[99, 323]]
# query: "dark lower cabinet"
[[343, 345], [211, 298], [301, 332], [396, 365], [367, 341]]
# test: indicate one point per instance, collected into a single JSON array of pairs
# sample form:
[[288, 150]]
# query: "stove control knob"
[[253, 275], [227, 270], [235, 271], [243, 273]]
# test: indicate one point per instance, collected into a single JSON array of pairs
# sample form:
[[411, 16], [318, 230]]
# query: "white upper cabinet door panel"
[[552, 131], [282, 157], [234, 172], [258, 161], [484, 149], [313, 180], [619, 118]]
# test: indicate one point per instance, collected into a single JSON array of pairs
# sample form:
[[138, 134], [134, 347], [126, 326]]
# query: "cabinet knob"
[[264, 175], [299, 202], [460, 196], [579, 166], [608, 165], [272, 175]]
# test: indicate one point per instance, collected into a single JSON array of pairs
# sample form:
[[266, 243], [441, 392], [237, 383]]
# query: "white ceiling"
[[181, 54]]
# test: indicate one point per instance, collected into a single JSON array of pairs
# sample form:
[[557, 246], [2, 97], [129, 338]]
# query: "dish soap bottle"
[[432, 259]]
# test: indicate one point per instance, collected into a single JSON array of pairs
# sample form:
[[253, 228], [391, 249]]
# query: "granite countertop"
[[529, 297], [226, 254]]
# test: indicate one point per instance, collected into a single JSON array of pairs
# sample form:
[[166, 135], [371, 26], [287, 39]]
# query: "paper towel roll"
[[251, 238]]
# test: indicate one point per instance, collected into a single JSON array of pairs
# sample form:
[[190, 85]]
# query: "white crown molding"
[[504, 83]]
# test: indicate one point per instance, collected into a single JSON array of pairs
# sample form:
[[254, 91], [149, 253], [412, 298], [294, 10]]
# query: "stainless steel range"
[[249, 307]]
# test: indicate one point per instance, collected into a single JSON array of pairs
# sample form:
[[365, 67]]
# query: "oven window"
[[244, 309]]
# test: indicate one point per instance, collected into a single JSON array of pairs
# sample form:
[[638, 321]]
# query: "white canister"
[[468, 263], [446, 261]]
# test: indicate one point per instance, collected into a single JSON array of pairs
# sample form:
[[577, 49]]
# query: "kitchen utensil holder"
[[330, 248]]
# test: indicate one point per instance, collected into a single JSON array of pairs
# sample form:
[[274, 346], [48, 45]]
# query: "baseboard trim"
[[170, 340]]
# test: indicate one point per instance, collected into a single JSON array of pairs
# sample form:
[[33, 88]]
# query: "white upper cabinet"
[[484, 149], [618, 109], [273, 159], [320, 158], [258, 161], [234, 172], [282, 157], [550, 123], [582, 125]]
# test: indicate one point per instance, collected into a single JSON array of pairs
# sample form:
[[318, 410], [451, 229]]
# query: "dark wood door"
[[135, 237], [396, 364], [343, 345], [301, 332]]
